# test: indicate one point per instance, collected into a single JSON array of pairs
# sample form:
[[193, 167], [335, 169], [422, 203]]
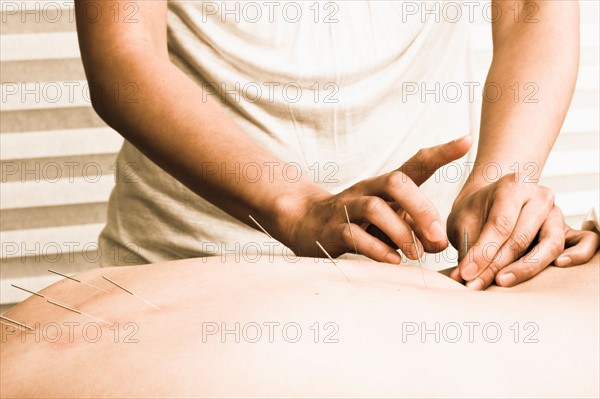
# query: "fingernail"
[[470, 271], [393, 257], [436, 232], [563, 260], [476, 284], [506, 280]]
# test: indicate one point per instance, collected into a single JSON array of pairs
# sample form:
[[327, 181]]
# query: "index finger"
[[498, 227], [426, 161], [405, 192]]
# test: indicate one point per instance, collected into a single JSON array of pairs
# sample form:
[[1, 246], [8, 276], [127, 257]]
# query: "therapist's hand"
[[580, 247], [514, 232], [391, 202]]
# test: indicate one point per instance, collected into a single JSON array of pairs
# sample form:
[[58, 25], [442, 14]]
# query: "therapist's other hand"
[[514, 231], [392, 202]]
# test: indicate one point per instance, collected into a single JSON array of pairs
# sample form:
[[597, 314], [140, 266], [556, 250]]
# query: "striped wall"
[[57, 156]]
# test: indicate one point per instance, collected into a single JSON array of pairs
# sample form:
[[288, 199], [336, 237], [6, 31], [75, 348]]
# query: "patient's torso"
[[275, 327]]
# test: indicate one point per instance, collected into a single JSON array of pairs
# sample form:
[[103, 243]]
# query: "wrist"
[[291, 208]]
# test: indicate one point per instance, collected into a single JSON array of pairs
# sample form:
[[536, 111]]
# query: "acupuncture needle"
[[62, 305], [129, 292], [58, 304], [14, 323], [11, 325], [26, 290], [22, 325], [418, 257], [259, 226], [350, 227], [79, 281], [465, 242], [331, 259]]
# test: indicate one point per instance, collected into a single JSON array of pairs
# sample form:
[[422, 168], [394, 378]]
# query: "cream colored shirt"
[[339, 91]]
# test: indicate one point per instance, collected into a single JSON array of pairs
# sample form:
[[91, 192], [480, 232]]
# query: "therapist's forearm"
[[174, 124], [535, 67]]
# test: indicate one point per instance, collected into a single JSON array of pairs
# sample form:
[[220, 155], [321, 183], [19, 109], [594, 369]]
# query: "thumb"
[[426, 161]]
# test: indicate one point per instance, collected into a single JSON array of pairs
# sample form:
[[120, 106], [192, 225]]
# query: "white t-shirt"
[[339, 91]]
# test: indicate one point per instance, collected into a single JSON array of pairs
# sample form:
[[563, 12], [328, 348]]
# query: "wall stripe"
[[33, 46], [49, 119], [42, 71], [77, 190], [44, 95], [64, 142], [52, 216]]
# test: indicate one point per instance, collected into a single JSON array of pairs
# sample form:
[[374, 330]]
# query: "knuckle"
[[557, 244], [546, 194], [559, 214], [426, 208], [353, 189], [373, 205], [493, 269], [509, 180], [396, 178], [520, 240], [520, 189], [502, 224], [505, 191], [419, 155]]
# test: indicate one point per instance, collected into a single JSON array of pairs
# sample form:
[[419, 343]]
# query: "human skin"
[[536, 48], [368, 349], [172, 125]]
